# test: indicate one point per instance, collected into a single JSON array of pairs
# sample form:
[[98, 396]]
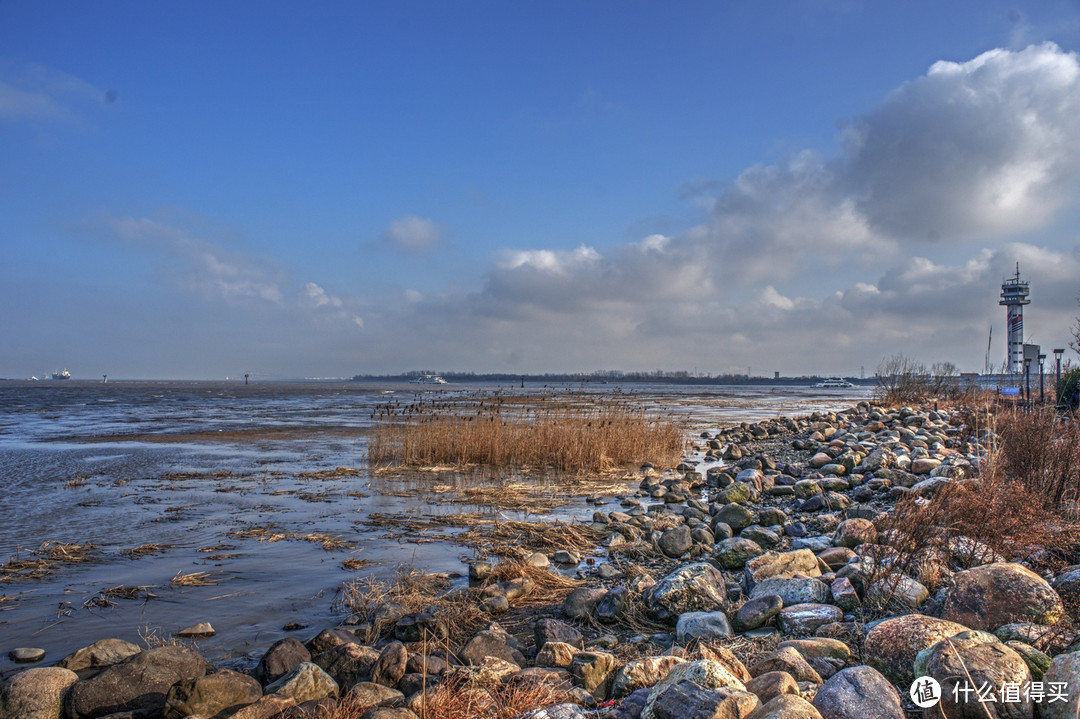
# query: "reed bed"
[[572, 433]]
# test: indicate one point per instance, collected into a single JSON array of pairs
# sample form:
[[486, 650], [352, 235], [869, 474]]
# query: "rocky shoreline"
[[751, 581]]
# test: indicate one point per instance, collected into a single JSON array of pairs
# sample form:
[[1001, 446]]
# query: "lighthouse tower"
[[1014, 295]]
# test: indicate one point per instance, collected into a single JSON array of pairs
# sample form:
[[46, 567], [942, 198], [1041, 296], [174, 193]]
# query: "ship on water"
[[61, 375]]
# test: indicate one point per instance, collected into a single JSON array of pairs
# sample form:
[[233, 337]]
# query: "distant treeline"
[[602, 377]]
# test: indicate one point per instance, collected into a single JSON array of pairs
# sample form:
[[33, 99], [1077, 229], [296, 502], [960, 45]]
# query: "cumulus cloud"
[[414, 234], [987, 147], [816, 260]]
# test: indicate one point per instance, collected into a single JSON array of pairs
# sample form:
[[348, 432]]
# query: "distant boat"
[[835, 383], [61, 375], [429, 379]]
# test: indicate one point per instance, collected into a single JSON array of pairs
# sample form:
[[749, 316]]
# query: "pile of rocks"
[[770, 537]]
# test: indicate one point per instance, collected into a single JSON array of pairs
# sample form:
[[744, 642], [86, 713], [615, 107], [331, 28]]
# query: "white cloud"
[[35, 92], [317, 295], [414, 234]]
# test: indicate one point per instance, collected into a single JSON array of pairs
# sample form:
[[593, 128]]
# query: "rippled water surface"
[[211, 472]]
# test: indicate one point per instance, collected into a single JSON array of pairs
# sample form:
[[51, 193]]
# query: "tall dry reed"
[[575, 434]]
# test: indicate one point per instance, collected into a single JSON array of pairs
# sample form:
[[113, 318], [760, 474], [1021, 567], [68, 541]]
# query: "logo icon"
[[925, 692]]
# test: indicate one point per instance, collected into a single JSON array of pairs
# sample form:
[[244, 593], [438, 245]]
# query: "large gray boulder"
[[1064, 670], [977, 659], [139, 683], [892, 645], [101, 653], [220, 694], [993, 595], [36, 693], [858, 693], [697, 587]]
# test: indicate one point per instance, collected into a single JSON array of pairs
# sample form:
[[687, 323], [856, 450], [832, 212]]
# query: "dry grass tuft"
[[144, 550], [40, 562], [517, 540], [415, 591], [549, 587], [457, 699], [571, 433], [193, 579]]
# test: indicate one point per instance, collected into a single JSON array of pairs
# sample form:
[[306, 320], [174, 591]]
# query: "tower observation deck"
[[1014, 295]]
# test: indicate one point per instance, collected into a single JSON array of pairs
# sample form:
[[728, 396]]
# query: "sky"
[[199, 190]]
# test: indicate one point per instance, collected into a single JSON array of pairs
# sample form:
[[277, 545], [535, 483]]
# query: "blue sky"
[[200, 190]]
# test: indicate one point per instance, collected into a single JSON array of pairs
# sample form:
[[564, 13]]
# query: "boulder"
[[858, 693], [785, 706], [787, 660], [492, 642], [734, 552], [852, 532], [36, 693], [891, 646], [101, 653], [676, 541], [814, 647], [1064, 669], [697, 587], [594, 672], [687, 699], [283, 656], [780, 564], [556, 654], [977, 659], [139, 683], [793, 590], [220, 694], [304, 683], [580, 603], [269, 707], [704, 626], [772, 684], [802, 619], [365, 695], [992, 595], [757, 612], [389, 667], [552, 630], [706, 673], [348, 664], [643, 672]]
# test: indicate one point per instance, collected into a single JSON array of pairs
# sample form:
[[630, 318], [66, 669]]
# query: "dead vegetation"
[[40, 562], [456, 698], [567, 433], [144, 550], [271, 533], [517, 540], [1021, 506], [194, 579]]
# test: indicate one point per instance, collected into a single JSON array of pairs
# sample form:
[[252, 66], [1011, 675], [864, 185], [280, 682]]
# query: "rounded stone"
[[993, 595], [26, 655], [892, 645], [36, 693], [858, 693]]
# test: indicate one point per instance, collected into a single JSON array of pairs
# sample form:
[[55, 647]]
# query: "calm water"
[[196, 466]]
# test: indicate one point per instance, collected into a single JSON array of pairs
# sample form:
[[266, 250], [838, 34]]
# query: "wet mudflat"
[[145, 507]]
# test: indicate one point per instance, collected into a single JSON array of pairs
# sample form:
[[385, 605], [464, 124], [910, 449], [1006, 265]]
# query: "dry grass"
[[457, 699], [40, 562], [517, 540], [354, 563], [144, 550], [415, 591], [1041, 452], [575, 434], [549, 588], [1022, 506], [194, 579], [271, 533]]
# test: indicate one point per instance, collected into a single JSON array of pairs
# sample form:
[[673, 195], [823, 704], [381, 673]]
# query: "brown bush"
[[1040, 451]]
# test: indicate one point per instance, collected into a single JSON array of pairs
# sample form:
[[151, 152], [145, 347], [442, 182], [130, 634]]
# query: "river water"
[[264, 487]]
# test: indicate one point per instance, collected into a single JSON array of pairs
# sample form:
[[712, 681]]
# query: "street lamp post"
[[1027, 381], [1042, 392], [1057, 374]]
